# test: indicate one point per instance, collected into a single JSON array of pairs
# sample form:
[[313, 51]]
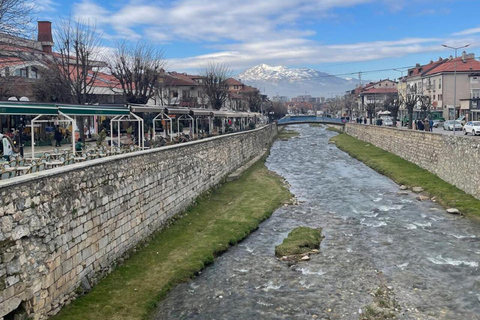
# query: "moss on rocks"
[[300, 240]]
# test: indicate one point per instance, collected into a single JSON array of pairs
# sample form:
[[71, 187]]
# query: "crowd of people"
[[423, 125]]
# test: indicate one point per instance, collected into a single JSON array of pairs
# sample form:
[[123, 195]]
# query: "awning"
[[177, 110], [201, 112], [226, 114], [89, 110], [27, 109], [147, 108]]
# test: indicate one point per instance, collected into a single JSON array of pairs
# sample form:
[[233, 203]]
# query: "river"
[[373, 236]]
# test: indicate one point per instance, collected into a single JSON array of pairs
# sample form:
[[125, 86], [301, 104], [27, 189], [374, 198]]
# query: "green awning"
[[27, 109], [88, 110]]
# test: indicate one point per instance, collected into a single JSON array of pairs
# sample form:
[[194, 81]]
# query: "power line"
[[363, 72]]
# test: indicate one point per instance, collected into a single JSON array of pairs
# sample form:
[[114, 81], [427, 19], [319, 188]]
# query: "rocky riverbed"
[[385, 253]]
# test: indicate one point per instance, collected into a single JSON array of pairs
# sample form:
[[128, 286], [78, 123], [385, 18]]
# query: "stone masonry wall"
[[62, 229], [455, 159]]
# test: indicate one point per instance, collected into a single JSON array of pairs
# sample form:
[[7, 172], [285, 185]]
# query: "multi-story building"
[[375, 93], [180, 89], [436, 80]]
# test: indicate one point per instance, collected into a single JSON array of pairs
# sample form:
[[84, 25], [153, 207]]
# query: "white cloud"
[[270, 31], [467, 32]]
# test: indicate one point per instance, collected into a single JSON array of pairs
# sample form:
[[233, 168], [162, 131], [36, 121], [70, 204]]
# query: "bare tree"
[[214, 82], [371, 107], [138, 67], [254, 100], [393, 105], [410, 100], [16, 16], [75, 66], [425, 105]]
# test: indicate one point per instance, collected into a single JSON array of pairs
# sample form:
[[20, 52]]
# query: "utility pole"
[[455, 83]]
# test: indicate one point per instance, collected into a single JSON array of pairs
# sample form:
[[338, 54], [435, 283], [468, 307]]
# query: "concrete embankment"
[[63, 229], [455, 159]]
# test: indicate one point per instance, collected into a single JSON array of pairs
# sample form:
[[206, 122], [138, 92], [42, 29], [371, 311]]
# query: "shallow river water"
[[372, 236]]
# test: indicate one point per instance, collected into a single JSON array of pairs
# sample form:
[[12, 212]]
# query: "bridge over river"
[[288, 120], [373, 236]]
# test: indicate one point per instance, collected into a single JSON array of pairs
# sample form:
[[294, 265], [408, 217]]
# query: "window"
[[21, 72], [440, 96], [440, 83], [34, 73], [185, 94], [434, 84], [433, 97], [475, 94], [175, 93]]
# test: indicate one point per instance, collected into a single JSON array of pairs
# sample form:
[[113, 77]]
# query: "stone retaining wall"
[[62, 229], [455, 159]]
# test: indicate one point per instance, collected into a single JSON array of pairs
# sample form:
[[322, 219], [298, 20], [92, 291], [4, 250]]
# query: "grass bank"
[[286, 134], [300, 240], [404, 172], [218, 220]]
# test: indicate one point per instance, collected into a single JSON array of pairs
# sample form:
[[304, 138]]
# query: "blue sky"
[[335, 36]]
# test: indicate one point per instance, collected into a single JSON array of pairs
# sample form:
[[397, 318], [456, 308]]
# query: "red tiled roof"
[[233, 82], [10, 61], [470, 65], [249, 89], [180, 79]]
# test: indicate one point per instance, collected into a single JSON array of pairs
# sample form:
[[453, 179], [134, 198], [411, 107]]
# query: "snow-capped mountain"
[[291, 82]]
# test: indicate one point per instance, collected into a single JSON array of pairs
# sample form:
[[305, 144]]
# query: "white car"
[[387, 121], [448, 125], [472, 127]]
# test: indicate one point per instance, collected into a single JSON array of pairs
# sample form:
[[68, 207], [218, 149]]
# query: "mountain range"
[[291, 82]]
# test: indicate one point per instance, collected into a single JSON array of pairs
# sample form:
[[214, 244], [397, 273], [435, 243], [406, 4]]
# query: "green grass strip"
[[285, 134], [404, 172], [219, 219], [298, 241]]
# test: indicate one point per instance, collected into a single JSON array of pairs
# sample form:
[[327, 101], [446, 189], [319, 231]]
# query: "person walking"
[[420, 125], [427, 125], [365, 120], [58, 137], [430, 123]]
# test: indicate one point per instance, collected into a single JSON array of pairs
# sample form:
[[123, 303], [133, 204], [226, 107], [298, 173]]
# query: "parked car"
[[472, 127], [387, 121], [437, 123], [448, 125]]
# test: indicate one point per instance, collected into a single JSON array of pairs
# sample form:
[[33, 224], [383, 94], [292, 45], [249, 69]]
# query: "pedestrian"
[[430, 123], [58, 137], [427, 125], [365, 120], [414, 124], [420, 125], [79, 145]]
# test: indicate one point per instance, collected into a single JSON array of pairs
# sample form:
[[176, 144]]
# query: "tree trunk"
[[80, 126], [410, 119]]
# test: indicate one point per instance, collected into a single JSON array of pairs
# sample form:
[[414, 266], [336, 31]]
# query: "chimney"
[[45, 36]]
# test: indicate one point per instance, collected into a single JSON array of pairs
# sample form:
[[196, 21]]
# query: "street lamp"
[[455, 82]]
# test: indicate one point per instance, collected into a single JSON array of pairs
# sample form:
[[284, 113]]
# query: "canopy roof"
[[15, 108], [146, 108], [89, 110]]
